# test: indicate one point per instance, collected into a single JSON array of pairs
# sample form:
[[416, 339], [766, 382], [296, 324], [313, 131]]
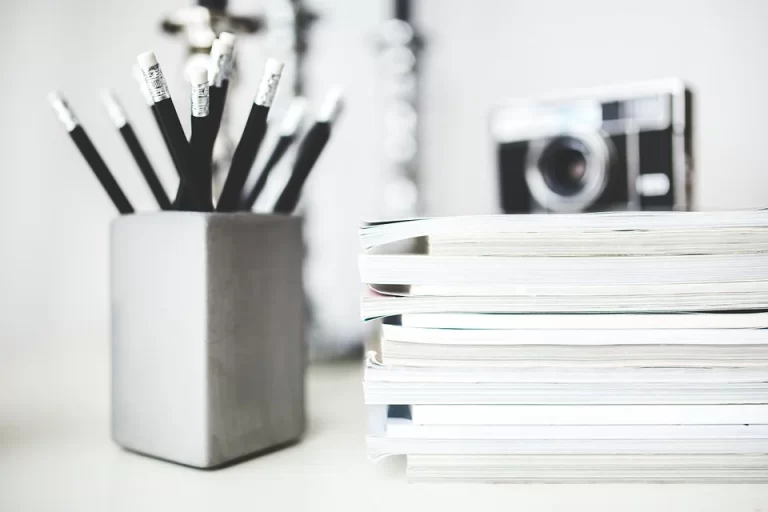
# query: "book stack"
[[621, 347]]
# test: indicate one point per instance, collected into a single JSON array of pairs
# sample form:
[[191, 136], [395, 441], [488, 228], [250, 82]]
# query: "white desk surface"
[[55, 454]]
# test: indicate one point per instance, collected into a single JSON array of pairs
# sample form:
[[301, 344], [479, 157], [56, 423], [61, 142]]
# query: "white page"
[[374, 234], [378, 372], [408, 430], [589, 415], [381, 306], [584, 271], [382, 446], [586, 337], [587, 321]]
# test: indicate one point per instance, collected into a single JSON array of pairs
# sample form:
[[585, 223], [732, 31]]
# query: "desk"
[[55, 454]]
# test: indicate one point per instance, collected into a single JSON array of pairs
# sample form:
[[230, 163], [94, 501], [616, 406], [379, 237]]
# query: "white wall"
[[502, 48], [54, 219]]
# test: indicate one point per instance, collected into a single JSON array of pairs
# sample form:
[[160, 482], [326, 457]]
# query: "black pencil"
[[222, 61], [117, 114], [215, 100], [201, 130], [171, 126], [88, 150], [137, 73], [253, 134], [308, 152], [287, 135]]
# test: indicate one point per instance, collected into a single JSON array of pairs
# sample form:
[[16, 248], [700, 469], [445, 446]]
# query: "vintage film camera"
[[627, 147]]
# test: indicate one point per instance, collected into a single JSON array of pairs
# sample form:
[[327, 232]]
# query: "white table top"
[[55, 454]]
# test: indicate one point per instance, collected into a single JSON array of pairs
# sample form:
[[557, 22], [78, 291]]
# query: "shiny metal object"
[[208, 345], [400, 46]]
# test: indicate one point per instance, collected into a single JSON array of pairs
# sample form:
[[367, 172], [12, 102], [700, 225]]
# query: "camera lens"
[[568, 172], [563, 165]]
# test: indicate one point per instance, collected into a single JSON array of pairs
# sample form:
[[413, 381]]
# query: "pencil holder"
[[207, 335]]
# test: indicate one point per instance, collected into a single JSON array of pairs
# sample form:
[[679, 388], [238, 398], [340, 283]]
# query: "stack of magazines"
[[621, 347]]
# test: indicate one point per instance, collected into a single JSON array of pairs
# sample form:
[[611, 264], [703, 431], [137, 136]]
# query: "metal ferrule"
[[158, 87], [200, 99]]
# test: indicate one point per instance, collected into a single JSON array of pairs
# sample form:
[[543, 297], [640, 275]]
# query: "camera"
[[626, 147]]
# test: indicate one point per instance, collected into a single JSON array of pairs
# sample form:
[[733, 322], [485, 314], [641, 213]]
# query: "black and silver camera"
[[616, 148]]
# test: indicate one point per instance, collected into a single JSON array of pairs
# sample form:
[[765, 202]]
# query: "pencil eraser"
[[216, 51], [214, 68], [55, 98], [268, 86], [293, 117], [146, 60], [198, 75], [227, 39], [331, 106], [114, 108], [64, 113], [274, 67]]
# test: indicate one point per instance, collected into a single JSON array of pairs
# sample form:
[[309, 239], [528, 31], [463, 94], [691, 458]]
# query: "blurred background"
[[384, 159]]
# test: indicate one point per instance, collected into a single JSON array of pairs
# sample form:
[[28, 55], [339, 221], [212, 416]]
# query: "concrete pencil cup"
[[208, 352]]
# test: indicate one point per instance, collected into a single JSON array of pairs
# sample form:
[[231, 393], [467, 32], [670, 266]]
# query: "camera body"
[[627, 147]]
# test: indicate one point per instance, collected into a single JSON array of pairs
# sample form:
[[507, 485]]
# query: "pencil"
[[89, 152], [170, 125], [117, 114], [250, 141], [309, 151], [201, 129], [220, 73], [215, 102], [139, 76], [287, 134]]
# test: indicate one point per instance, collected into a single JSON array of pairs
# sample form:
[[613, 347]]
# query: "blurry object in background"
[[89, 152], [195, 22], [302, 21], [400, 46], [613, 148]]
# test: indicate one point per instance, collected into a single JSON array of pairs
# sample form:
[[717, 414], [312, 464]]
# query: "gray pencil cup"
[[208, 351]]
